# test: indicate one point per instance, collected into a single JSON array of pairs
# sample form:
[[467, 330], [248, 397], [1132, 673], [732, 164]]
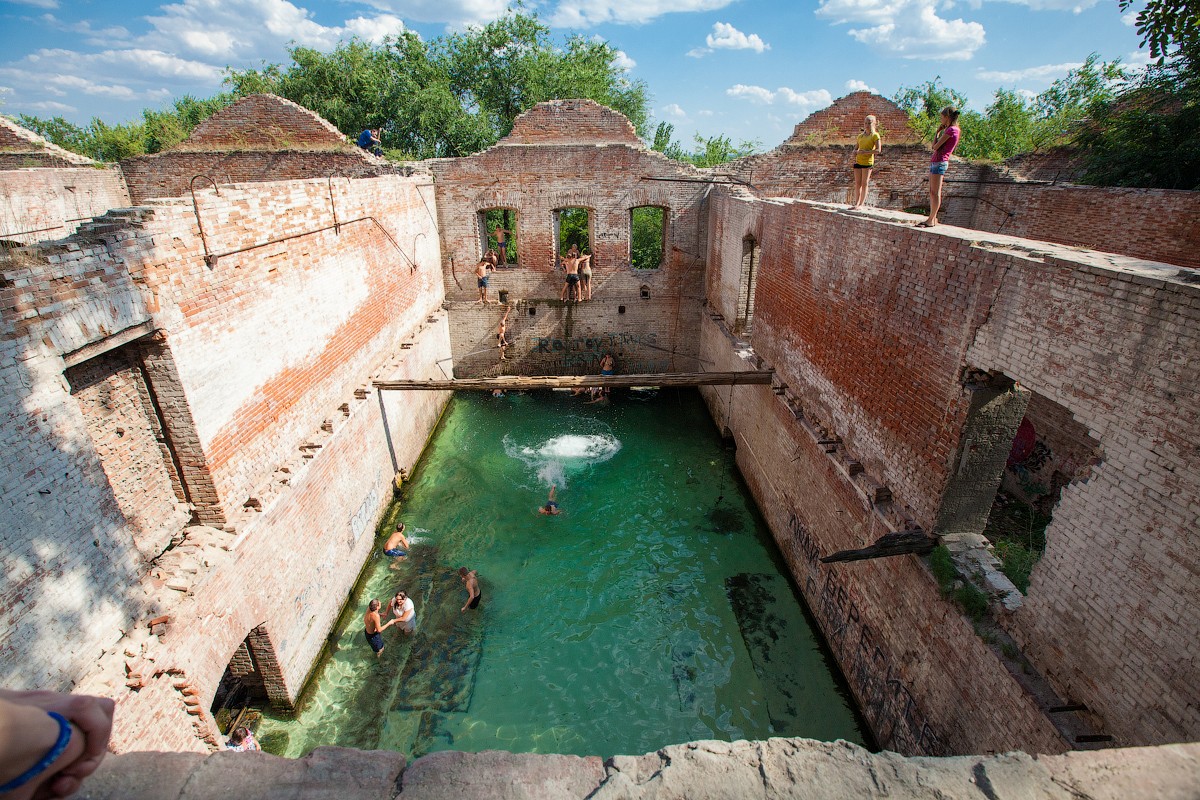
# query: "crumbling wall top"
[[18, 141], [843, 120], [264, 122], [572, 122]]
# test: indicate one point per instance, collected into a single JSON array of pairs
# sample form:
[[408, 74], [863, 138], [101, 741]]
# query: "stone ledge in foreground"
[[775, 768]]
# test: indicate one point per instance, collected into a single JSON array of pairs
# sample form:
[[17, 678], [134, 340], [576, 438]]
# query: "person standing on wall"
[[585, 277], [502, 244], [948, 135], [481, 278], [869, 144]]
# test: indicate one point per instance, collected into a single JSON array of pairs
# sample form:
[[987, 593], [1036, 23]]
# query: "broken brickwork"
[[259, 138], [870, 325], [561, 154]]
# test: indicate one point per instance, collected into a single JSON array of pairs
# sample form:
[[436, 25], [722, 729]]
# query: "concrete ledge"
[[776, 768]]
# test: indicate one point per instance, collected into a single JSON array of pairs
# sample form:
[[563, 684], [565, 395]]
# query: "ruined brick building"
[[189, 343]]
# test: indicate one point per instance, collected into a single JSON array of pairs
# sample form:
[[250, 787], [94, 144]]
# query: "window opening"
[[572, 228], [647, 240], [498, 233], [746, 285]]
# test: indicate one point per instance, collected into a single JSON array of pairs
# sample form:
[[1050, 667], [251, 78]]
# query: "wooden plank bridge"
[[519, 382]]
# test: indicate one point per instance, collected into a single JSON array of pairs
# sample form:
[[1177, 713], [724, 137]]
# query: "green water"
[[652, 611]]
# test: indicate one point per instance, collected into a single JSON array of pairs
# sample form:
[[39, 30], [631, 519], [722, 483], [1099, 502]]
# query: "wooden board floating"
[[518, 382]]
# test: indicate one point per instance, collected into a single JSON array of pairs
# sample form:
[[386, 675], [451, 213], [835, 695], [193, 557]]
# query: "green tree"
[[646, 238], [1145, 136], [1167, 24], [454, 95]]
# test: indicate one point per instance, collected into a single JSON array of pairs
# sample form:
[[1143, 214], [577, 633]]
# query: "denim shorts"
[[939, 167]]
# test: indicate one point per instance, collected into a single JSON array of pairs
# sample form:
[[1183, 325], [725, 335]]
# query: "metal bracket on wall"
[[337, 228], [209, 258]]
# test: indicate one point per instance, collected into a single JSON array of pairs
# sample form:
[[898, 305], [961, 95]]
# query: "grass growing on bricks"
[[971, 599]]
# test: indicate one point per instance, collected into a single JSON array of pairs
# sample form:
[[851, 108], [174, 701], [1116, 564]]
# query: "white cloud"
[[586, 13], [1075, 6], [39, 3], [755, 93], [1026, 93], [853, 85], [809, 101], [1045, 72], [110, 36], [623, 61], [1130, 19], [675, 111], [906, 28], [455, 13], [726, 37], [704, 112], [51, 107]]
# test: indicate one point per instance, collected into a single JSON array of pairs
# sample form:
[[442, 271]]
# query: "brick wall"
[[67, 552], [1110, 612], [114, 396], [925, 683], [41, 204], [1154, 224], [264, 122], [312, 308], [169, 174], [254, 362], [870, 325], [534, 177], [20, 148]]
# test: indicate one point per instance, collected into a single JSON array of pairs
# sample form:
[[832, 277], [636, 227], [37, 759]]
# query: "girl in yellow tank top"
[[869, 144]]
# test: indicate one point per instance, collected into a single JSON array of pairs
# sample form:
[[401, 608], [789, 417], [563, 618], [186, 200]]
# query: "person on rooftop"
[[869, 144], [947, 139]]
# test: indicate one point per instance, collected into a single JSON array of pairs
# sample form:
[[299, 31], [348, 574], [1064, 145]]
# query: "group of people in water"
[[870, 145], [400, 608]]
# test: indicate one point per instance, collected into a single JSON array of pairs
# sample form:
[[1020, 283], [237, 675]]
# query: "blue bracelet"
[[64, 737]]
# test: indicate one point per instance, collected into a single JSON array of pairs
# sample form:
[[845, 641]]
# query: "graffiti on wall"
[[584, 352], [886, 699], [361, 520]]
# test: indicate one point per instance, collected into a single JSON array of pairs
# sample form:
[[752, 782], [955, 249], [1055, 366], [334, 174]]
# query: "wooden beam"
[[518, 382], [891, 544]]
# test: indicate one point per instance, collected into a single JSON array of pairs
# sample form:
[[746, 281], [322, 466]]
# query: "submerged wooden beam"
[[891, 544], [517, 382]]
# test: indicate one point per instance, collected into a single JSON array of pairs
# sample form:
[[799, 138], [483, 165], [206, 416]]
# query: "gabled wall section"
[[574, 154]]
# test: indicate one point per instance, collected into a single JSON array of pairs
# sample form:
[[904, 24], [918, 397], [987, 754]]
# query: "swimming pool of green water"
[[653, 610]]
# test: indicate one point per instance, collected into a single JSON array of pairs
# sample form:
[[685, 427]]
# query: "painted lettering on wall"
[[362, 518], [885, 697], [599, 343]]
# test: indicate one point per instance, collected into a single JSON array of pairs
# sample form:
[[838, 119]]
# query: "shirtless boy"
[[571, 262], [471, 582], [502, 337], [481, 275], [502, 244], [373, 629], [397, 546], [551, 508]]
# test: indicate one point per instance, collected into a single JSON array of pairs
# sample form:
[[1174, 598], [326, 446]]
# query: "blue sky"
[[750, 69]]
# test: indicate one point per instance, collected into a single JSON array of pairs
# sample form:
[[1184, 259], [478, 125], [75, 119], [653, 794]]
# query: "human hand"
[[91, 718]]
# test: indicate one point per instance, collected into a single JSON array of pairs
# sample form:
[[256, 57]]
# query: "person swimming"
[[551, 508]]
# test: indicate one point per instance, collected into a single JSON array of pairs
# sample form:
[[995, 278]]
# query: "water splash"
[[555, 458]]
